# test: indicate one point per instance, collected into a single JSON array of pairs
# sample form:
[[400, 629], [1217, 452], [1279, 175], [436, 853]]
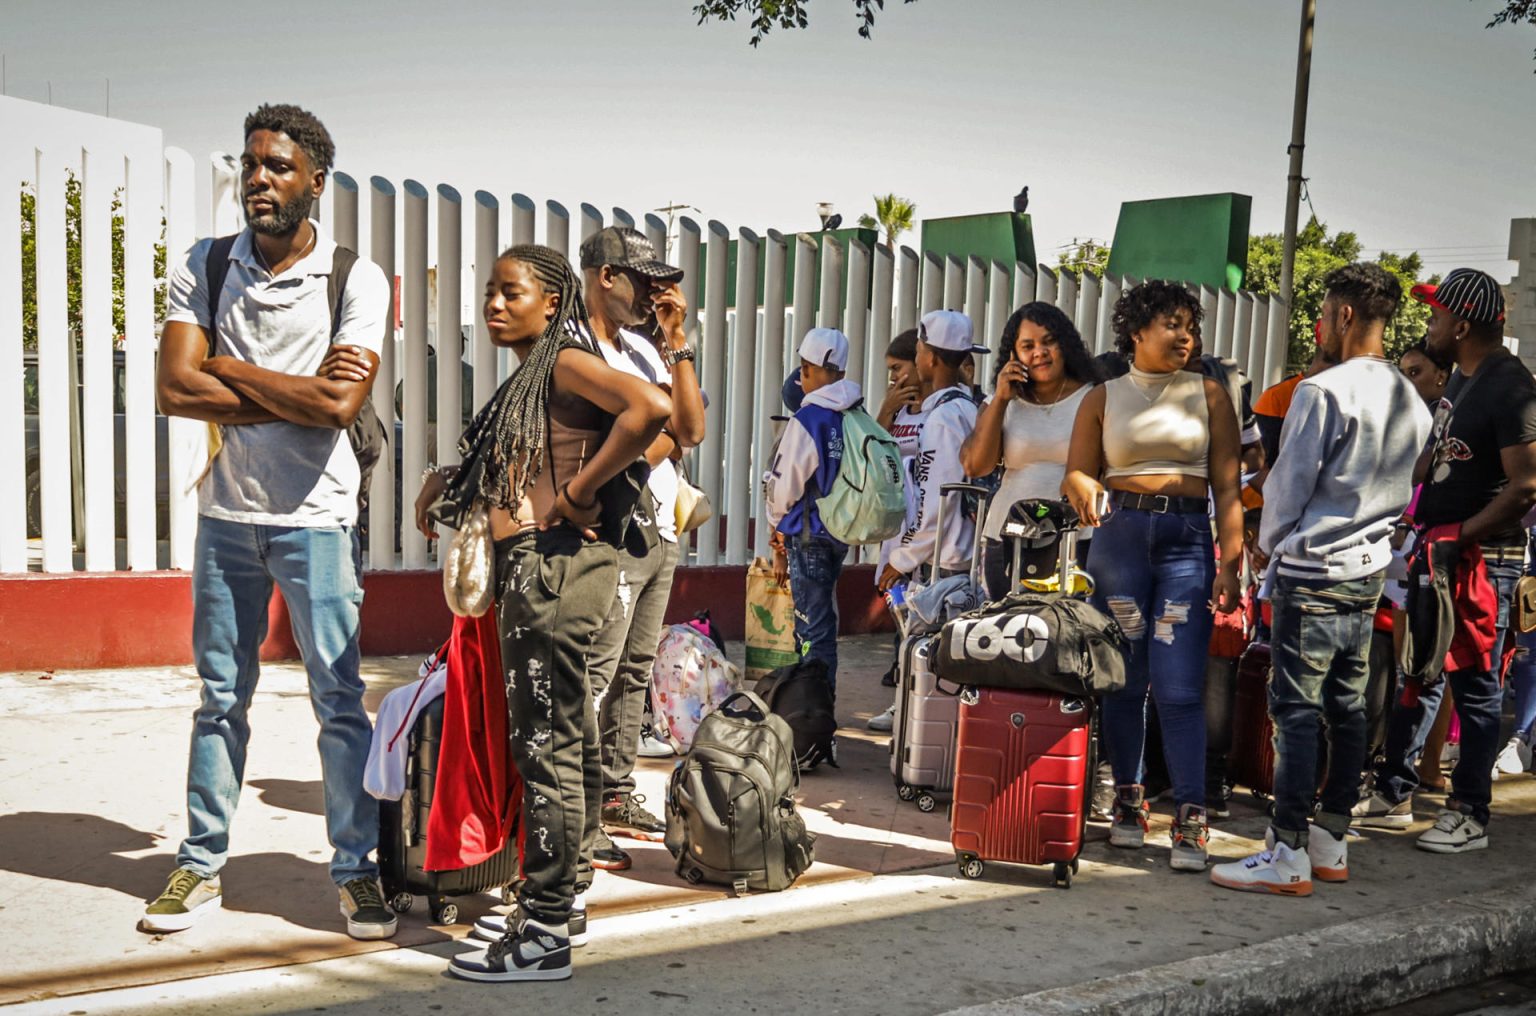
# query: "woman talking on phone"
[[1044, 372], [1163, 440]]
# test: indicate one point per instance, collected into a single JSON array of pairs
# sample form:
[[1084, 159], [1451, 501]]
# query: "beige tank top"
[[569, 449], [1156, 423]]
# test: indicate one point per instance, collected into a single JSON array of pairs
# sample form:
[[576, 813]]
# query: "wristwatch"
[[675, 356]]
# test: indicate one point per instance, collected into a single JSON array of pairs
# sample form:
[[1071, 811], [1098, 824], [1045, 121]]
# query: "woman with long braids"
[[1164, 441], [551, 455]]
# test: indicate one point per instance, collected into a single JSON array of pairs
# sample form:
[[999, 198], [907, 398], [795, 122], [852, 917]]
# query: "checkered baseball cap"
[[1467, 293], [623, 247]]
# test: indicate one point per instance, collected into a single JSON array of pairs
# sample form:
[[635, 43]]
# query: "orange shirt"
[[1276, 401]]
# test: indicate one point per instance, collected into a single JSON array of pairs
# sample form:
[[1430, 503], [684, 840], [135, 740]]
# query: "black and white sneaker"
[[534, 952], [493, 926]]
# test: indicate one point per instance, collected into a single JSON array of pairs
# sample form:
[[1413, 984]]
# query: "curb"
[[1363, 965]]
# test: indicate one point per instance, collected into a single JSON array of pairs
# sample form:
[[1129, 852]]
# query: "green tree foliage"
[[1317, 254], [1514, 12], [766, 15], [1085, 257], [73, 248], [894, 215]]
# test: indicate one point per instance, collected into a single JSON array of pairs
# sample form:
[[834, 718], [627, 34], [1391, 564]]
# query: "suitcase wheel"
[[1062, 874], [443, 912], [972, 867], [926, 802], [905, 792], [401, 903]]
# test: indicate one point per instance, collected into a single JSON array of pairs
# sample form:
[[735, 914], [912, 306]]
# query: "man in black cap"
[[1479, 478], [637, 307]]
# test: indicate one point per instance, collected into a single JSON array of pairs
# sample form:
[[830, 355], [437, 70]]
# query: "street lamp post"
[[1297, 146]]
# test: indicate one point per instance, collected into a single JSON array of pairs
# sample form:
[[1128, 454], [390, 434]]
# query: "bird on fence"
[[1021, 202], [833, 222]]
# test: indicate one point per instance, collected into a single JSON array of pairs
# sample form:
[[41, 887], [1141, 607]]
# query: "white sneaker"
[[1328, 854], [884, 722], [1279, 870], [652, 746], [1454, 832], [1514, 759], [492, 927], [1450, 755]]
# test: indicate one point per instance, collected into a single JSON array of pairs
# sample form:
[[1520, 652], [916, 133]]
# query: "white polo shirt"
[[281, 474], [633, 350]]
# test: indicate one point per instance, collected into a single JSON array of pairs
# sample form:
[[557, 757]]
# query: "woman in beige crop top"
[[541, 454], [1162, 443]]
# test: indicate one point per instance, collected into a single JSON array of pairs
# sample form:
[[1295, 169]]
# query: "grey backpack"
[[731, 813]]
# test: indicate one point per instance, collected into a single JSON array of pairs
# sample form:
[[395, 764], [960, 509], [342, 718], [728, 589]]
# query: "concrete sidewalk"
[[91, 808]]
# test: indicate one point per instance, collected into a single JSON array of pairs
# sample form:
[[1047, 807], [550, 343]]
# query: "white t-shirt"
[[281, 473], [633, 350], [1035, 440]]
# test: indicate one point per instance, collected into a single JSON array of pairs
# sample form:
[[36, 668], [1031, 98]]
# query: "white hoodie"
[[949, 421], [799, 456]]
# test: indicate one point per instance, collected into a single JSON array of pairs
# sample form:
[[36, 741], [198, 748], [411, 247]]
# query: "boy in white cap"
[[944, 343], [809, 456]]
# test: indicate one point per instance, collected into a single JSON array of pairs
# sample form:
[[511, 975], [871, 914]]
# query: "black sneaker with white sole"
[[534, 952], [362, 904], [493, 926]]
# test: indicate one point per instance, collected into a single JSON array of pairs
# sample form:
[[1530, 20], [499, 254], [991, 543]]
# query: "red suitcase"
[[1252, 762], [1023, 763]]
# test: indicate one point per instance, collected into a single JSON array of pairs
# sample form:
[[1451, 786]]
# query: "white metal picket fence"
[[745, 350]]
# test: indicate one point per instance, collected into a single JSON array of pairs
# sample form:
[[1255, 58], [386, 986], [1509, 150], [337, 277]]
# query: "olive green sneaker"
[[362, 904], [187, 897]]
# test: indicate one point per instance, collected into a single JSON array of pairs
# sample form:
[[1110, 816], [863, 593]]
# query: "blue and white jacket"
[[810, 451]]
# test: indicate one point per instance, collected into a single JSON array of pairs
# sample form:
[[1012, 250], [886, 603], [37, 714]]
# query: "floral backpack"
[[689, 680]]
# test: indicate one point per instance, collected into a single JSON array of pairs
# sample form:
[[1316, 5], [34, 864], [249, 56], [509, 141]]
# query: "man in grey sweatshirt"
[[1343, 478]]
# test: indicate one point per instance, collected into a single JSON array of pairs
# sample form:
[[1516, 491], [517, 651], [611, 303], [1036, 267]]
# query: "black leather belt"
[[1160, 504]]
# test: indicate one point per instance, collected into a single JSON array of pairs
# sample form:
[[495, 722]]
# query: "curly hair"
[[904, 346], [1076, 361], [1370, 289], [1440, 360], [1145, 303], [301, 125]]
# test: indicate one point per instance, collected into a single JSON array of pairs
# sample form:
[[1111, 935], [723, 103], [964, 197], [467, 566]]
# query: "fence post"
[[1066, 297], [713, 353], [976, 297], [344, 210], [875, 377], [591, 222], [97, 528], [524, 212], [998, 312], [1277, 344], [1241, 339], [856, 313], [487, 226], [829, 312], [932, 292], [52, 365], [381, 496], [804, 297], [17, 164], [908, 268], [142, 197], [743, 381], [1046, 286], [954, 283], [623, 218], [188, 439], [450, 333], [1089, 300], [557, 227], [413, 369], [226, 214], [1259, 342], [656, 232], [1104, 339], [771, 352], [1226, 303]]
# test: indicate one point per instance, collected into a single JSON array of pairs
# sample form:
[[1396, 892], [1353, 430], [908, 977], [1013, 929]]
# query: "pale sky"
[[1421, 132]]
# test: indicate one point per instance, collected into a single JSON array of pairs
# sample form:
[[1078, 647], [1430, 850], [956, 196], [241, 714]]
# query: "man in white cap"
[[944, 343], [809, 456]]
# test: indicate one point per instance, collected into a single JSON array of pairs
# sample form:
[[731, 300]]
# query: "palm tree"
[[893, 214]]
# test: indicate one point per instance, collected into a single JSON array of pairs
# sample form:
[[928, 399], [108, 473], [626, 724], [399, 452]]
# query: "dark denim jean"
[[1479, 698], [1522, 669], [1153, 573], [1320, 644], [814, 568]]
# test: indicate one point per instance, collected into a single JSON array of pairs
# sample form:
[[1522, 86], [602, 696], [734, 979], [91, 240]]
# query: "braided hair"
[[507, 436]]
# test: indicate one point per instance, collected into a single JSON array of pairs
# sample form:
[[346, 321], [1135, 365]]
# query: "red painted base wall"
[[143, 619]]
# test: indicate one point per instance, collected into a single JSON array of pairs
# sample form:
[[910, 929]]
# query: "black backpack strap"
[[214, 271], [341, 267]]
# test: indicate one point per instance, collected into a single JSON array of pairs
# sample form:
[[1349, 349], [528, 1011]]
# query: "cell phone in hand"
[[1101, 503]]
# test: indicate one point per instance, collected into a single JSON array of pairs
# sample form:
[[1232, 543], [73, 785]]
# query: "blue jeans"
[[233, 572], [1522, 669], [1320, 645], [1479, 699], [1153, 574], [814, 569]]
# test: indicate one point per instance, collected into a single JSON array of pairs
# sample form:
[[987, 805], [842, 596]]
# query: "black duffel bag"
[[1039, 641]]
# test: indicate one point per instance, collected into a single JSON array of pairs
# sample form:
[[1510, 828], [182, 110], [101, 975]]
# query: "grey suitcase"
[[923, 738]]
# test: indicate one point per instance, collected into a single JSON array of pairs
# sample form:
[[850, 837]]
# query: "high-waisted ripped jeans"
[[1153, 573]]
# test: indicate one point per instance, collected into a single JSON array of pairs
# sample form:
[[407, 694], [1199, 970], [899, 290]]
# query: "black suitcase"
[[403, 837]]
